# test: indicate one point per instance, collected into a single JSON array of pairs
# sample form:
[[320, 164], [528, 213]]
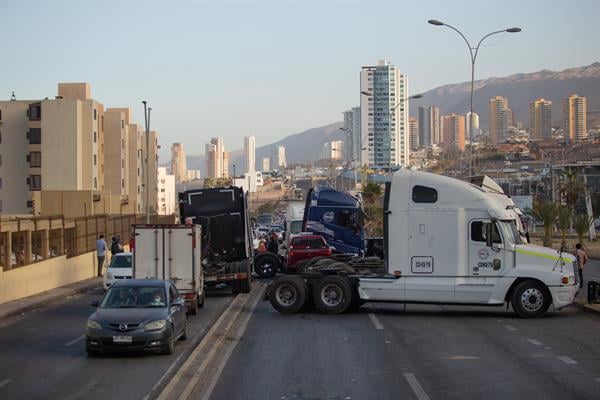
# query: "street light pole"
[[473, 53], [147, 123]]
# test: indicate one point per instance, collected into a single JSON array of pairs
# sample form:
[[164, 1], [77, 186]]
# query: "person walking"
[[116, 246], [101, 248], [582, 259]]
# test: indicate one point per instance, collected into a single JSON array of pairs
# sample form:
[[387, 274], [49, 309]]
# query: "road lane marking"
[[416, 386], [375, 321], [510, 327], [72, 342], [567, 360], [459, 357], [534, 342], [4, 383]]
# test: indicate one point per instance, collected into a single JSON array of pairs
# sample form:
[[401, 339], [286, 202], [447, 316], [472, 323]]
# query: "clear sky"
[[271, 68]]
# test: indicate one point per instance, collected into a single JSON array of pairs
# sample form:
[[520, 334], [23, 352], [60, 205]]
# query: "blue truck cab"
[[338, 217]]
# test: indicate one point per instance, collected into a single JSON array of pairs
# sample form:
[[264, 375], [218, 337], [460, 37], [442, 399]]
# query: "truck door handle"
[[387, 212]]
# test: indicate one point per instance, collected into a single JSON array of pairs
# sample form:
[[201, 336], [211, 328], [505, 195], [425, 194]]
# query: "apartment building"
[[178, 163], [352, 135], [167, 198], [500, 119], [540, 119], [217, 159], [574, 118], [454, 131], [250, 153]]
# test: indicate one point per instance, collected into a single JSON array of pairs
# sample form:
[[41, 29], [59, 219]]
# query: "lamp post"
[[147, 123], [473, 52]]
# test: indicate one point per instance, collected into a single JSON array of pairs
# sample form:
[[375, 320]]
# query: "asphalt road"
[[42, 355], [421, 352]]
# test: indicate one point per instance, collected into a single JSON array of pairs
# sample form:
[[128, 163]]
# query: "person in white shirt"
[[101, 248]]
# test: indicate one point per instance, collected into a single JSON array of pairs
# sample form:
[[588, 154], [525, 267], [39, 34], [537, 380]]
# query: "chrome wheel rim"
[[332, 295], [532, 299], [286, 295]]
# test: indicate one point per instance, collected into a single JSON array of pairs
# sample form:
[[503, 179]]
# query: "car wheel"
[[170, 348], [288, 294], [530, 299], [333, 294], [184, 334]]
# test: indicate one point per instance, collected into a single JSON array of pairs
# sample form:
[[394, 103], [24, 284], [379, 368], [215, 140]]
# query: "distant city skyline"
[[185, 58]]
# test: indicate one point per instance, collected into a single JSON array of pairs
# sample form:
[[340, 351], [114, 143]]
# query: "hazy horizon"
[[266, 68]]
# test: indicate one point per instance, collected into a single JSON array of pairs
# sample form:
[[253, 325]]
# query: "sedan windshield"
[[134, 297], [120, 262]]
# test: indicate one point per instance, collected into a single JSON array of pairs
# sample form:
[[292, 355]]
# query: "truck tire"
[[266, 265], [530, 299], [193, 309], [246, 284], [332, 294], [201, 299], [288, 294]]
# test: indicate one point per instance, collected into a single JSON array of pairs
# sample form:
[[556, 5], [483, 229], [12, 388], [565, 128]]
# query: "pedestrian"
[[273, 244], [116, 247], [101, 248], [582, 259]]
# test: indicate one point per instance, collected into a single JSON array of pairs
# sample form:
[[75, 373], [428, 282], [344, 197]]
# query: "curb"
[[593, 308], [46, 301]]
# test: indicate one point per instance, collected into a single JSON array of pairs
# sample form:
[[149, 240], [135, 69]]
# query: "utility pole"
[[145, 160]]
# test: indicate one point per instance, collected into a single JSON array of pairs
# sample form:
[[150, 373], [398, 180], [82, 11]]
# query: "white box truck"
[[171, 252], [446, 242]]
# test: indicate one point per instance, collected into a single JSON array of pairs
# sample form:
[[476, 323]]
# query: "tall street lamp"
[[473, 52], [147, 123]]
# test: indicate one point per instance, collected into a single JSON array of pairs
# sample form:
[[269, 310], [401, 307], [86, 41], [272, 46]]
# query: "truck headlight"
[[155, 325], [91, 324]]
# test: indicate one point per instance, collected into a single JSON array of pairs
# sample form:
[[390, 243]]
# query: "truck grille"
[[576, 271]]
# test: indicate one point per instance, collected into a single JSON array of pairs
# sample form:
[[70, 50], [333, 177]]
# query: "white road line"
[[510, 327], [534, 342], [4, 383], [375, 321], [567, 360], [72, 342], [416, 386]]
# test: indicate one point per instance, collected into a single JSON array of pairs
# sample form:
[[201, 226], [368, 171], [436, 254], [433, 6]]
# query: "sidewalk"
[[21, 306]]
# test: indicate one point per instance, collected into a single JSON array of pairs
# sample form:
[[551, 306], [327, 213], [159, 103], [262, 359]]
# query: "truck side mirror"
[[488, 235]]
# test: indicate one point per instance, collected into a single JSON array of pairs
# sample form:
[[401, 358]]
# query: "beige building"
[[167, 197], [217, 159], [116, 128], [413, 133], [454, 131], [500, 118], [574, 118], [178, 163], [540, 119]]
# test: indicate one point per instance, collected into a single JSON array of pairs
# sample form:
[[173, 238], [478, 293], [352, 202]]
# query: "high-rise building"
[[116, 128], [217, 159], [281, 161], [166, 192], [429, 126], [352, 136], [384, 116], [454, 131], [413, 129], [332, 150], [540, 119], [193, 174], [250, 153], [574, 118], [499, 119], [266, 164], [475, 120], [178, 163]]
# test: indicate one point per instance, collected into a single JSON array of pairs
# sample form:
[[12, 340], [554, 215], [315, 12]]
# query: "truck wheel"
[[236, 287], [246, 284], [288, 294], [332, 294], [530, 299], [201, 299], [266, 265], [193, 309]]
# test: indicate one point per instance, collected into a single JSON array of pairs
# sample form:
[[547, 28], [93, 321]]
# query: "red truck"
[[304, 247]]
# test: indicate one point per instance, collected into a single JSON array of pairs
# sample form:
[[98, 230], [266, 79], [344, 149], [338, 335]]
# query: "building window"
[[0, 183], [35, 136], [95, 139], [122, 143], [123, 183], [0, 115], [35, 112], [35, 182], [95, 114], [95, 159], [35, 159], [122, 124], [95, 183]]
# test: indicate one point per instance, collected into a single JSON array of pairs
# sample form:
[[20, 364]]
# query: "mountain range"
[[519, 89]]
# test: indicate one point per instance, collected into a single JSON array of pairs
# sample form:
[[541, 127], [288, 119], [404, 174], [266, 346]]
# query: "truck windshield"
[[296, 226], [511, 231]]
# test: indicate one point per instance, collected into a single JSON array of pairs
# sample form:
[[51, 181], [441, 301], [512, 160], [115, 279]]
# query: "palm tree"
[[581, 222], [564, 221], [372, 192], [546, 213], [572, 187], [209, 183]]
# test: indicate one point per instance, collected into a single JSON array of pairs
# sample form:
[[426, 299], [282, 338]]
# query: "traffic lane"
[[477, 352], [312, 356], [591, 271], [43, 354]]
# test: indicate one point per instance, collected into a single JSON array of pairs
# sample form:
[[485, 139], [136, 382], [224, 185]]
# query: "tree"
[[581, 223], [209, 183], [372, 192], [546, 213], [564, 221]]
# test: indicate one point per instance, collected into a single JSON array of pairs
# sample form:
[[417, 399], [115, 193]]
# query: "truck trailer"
[[226, 241], [446, 241]]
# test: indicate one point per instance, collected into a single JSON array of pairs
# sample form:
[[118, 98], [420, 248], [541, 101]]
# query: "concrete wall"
[[45, 275]]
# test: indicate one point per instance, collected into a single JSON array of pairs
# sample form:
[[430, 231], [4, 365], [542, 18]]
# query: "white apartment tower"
[[352, 136], [475, 120], [266, 164], [281, 162], [384, 116], [250, 153], [166, 197]]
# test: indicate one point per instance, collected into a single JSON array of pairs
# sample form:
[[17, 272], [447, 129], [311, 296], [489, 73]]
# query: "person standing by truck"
[[582, 259], [101, 248]]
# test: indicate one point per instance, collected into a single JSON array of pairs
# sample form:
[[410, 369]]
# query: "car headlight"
[[155, 325], [91, 324], [109, 275]]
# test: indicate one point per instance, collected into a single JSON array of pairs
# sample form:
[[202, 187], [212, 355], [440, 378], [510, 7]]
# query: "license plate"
[[122, 339]]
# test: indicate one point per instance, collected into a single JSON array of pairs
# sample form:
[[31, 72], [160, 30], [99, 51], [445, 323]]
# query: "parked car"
[[305, 247], [119, 268], [137, 315]]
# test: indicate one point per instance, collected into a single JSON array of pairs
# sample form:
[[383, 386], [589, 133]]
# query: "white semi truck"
[[446, 242], [171, 252]]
